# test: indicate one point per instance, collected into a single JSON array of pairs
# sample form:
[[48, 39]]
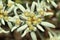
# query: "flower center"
[[6, 18], [1, 16], [33, 20], [27, 14], [31, 27], [41, 12], [17, 21], [5, 13]]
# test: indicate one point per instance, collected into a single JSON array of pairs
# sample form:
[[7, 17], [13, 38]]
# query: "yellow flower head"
[[6, 18], [17, 21], [31, 27], [5, 13], [33, 20], [1, 16], [27, 13], [41, 12]]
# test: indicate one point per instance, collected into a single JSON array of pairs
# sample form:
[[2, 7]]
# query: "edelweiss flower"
[[30, 16], [52, 2], [7, 18], [4, 13], [32, 21], [1, 12], [42, 8], [42, 12], [16, 20], [4, 16]]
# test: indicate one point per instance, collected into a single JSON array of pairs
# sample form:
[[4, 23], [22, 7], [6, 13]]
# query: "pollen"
[[18, 22], [5, 13], [1, 11], [26, 13], [29, 19], [28, 22], [6, 18], [1, 16], [31, 28], [35, 22], [32, 14], [39, 20], [41, 12]]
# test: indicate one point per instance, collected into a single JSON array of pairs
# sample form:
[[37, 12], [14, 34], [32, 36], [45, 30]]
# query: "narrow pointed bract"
[[21, 7], [40, 28], [33, 6], [9, 24], [22, 28], [54, 4], [10, 9], [25, 32], [2, 20], [33, 36], [13, 28], [47, 24]]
